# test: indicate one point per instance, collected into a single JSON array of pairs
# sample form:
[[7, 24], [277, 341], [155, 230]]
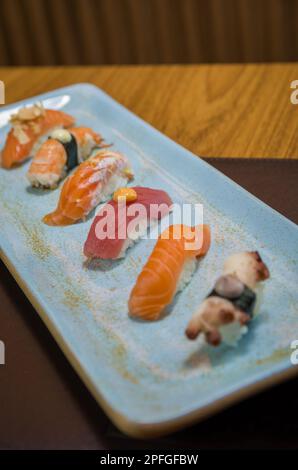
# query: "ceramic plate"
[[148, 377]]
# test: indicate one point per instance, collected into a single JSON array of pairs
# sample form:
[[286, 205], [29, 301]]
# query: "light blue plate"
[[148, 377]]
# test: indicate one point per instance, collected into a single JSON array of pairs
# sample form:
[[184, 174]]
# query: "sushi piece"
[[168, 269], [64, 150], [92, 182], [128, 223], [29, 126], [225, 313]]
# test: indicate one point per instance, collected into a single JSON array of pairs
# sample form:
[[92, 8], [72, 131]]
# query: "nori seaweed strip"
[[245, 302], [71, 149]]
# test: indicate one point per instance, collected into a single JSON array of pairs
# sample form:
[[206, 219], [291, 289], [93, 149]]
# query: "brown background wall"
[[49, 32]]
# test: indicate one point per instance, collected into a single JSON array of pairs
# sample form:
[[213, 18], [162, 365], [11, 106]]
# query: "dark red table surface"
[[44, 405]]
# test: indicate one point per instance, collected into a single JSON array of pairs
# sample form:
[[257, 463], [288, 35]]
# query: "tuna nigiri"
[[229, 307], [142, 207], [64, 150], [92, 182], [29, 125], [168, 269]]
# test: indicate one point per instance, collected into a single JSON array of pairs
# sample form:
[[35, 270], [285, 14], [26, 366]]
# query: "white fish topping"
[[62, 135]]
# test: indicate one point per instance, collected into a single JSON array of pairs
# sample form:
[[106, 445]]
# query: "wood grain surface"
[[69, 32], [213, 110]]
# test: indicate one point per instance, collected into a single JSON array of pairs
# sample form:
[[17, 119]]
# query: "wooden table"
[[213, 110], [228, 111]]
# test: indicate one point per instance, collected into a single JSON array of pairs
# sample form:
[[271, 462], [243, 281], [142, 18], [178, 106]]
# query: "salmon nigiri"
[[64, 150], [92, 182], [168, 269], [29, 125]]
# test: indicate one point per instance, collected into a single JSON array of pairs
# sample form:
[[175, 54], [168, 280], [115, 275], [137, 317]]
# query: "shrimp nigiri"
[[64, 150], [92, 182], [168, 269], [29, 125]]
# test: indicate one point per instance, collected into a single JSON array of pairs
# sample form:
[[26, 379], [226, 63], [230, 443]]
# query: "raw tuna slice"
[[122, 224]]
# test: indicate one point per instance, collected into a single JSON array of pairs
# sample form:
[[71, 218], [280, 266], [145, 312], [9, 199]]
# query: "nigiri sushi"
[[64, 150], [91, 183], [29, 126], [125, 233], [224, 314], [168, 269]]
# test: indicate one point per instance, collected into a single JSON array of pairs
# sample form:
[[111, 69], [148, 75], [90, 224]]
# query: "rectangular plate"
[[148, 377]]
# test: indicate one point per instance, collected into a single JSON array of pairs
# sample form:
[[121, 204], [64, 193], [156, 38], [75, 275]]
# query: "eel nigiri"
[[168, 269], [139, 202], [224, 314], [91, 183], [64, 150], [29, 125]]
